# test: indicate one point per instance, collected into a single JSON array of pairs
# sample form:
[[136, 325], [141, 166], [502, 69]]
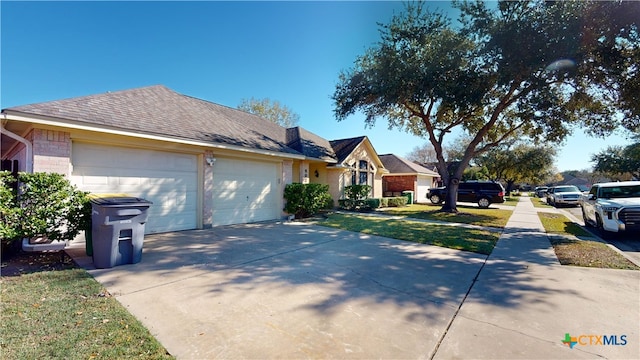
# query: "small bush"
[[373, 203], [357, 192], [398, 201], [357, 198], [304, 200], [353, 205], [46, 204]]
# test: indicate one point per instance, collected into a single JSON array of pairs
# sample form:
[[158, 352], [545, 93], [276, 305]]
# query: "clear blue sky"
[[222, 52]]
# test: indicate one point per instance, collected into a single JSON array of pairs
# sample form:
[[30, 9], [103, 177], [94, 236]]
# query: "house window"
[[363, 178], [363, 170]]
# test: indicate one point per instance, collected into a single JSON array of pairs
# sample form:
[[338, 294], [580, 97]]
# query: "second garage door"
[[245, 191]]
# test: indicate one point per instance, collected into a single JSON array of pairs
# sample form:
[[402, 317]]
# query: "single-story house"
[[405, 175], [200, 163]]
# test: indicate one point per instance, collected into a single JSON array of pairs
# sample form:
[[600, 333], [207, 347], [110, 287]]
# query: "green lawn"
[[466, 215], [539, 202], [66, 314], [511, 200], [479, 241], [560, 224]]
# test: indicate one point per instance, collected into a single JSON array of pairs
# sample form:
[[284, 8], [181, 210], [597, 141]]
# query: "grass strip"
[[576, 252], [539, 203], [588, 253], [66, 314], [560, 224], [478, 241], [466, 215]]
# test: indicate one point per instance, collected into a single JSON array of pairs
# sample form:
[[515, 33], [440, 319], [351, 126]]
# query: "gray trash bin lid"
[[118, 201]]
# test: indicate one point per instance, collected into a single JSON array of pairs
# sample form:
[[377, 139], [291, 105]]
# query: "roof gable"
[[344, 147]]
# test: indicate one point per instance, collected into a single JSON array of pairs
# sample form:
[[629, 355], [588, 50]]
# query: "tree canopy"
[[270, 110], [514, 162], [619, 161], [535, 67]]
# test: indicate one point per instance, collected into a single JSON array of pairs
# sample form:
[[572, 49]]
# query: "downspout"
[[27, 144]]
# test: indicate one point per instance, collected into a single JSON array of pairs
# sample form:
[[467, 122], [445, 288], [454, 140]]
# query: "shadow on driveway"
[[274, 290]]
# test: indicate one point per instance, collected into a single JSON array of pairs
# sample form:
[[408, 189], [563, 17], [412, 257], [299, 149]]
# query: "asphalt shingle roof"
[[310, 144], [161, 111], [398, 165], [344, 147]]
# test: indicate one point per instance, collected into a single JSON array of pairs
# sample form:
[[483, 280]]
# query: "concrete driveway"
[[292, 290]]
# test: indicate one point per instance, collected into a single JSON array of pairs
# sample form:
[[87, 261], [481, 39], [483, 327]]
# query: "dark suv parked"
[[484, 193]]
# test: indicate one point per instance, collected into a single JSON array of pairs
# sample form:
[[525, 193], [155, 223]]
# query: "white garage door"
[[245, 191], [424, 184], [167, 179]]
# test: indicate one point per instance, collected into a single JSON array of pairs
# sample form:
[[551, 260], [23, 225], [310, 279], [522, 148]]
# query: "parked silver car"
[[564, 195], [541, 191]]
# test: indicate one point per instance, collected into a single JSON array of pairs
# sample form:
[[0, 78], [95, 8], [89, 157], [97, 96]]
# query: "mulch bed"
[[20, 262]]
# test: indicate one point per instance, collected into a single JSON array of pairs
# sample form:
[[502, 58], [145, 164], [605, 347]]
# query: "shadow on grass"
[[466, 215], [459, 238]]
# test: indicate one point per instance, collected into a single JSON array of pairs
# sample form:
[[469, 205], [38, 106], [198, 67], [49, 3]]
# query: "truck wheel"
[[607, 235], [484, 203], [435, 199], [587, 223]]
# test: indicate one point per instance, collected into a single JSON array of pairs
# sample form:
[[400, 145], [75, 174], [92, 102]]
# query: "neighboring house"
[[582, 183], [200, 163], [405, 175]]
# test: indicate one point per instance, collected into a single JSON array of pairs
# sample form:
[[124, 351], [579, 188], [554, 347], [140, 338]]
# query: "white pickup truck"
[[613, 207]]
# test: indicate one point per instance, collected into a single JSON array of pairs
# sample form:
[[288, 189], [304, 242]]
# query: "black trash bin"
[[117, 230]]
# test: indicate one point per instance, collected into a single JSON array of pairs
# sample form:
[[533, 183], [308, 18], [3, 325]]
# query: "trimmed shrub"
[[304, 200], [356, 198], [46, 204], [398, 201], [357, 192], [373, 203]]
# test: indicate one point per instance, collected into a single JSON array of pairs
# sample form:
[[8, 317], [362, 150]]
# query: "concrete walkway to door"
[[287, 290]]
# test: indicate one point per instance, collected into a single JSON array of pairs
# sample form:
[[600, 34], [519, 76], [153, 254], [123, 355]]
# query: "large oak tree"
[[535, 67]]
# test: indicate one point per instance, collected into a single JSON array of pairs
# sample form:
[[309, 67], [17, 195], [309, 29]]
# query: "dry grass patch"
[[577, 252], [589, 254]]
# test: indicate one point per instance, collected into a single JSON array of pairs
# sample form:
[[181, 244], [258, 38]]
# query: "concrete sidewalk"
[[524, 303]]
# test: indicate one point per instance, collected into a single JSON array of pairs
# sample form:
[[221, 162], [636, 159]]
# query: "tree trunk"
[[450, 203], [509, 186]]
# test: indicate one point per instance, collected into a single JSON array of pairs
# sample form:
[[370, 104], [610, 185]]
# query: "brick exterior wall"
[[399, 183], [51, 151]]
